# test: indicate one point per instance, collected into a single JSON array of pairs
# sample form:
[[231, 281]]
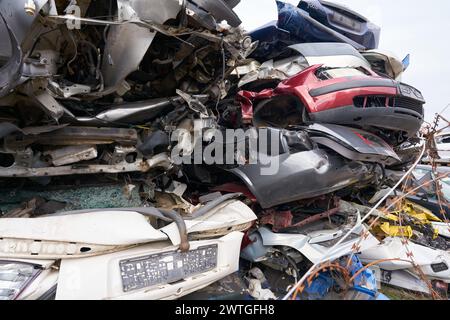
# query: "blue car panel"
[[343, 20], [297, 25]]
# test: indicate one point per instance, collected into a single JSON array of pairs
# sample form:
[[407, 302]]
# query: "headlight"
[[15, 277], [411, 92]]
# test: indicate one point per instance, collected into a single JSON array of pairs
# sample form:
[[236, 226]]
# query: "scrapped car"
[[315, 21], [310, 238], [329, 157], [39, 257], [386, 63], [411, 237], [343, 20], [297, 58], [82, 104], [443, 145], [396, 256], [426, 195], [152, 148], [356, 97]]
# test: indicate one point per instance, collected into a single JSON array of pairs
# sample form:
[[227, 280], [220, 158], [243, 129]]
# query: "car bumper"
[[398, 119], [99, 278]]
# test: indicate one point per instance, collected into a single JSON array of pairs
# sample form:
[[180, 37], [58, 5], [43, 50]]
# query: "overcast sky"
[[407, 26]]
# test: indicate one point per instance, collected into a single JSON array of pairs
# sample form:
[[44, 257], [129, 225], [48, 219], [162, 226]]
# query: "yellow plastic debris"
[[396, 231], [419, 213]]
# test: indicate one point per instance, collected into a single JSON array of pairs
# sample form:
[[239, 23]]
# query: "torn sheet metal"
[[126, 114], [221, 10], [119, 60], [119, 156], [410, 222], [312, 243], [341, 139], [10, 72], [385, 62], [230, 216], [158, 11], [422, 215]]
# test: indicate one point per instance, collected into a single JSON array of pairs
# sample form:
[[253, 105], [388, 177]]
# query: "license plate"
[[346, 21], [165, 268]]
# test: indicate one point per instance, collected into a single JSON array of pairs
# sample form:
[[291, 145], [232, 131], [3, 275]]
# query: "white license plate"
[[169, 267], [346, 21]]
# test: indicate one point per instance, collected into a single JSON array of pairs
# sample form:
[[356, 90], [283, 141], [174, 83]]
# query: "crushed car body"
[[315, 21], [158, 150], [94, 245], [346, 96]]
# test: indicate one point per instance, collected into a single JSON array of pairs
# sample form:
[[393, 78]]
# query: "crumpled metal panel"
[[368, 146], [304, 243], [125, 48], [10, 72], [220, 10], [17, 19], [331, 54], [127, 113], [95, 228], [300, 176], [158, 11], [127, 44]]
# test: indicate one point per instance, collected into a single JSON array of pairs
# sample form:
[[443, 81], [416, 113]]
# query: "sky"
[[407, 27]]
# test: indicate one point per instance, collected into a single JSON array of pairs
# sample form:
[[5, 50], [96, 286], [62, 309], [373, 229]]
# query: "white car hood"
[[118, 228]]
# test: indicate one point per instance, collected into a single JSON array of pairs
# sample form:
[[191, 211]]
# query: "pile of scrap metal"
[[110, 108]]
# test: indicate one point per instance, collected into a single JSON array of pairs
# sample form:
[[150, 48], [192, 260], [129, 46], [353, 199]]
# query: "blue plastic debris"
[[406, 62], [364, 285], [319, 288]]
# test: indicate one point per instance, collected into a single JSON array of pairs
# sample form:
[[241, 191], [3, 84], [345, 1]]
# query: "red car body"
[[364, 101]]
